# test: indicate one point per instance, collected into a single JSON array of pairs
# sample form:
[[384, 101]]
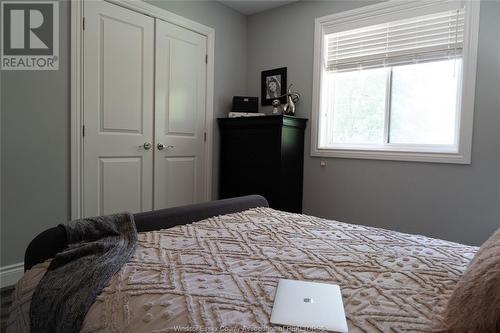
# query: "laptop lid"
[[309, 304]]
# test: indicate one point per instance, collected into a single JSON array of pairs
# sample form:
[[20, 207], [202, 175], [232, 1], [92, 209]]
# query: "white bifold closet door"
[[180, 116], [143, 146]]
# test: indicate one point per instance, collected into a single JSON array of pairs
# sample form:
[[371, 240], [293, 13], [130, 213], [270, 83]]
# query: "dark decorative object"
[[263, 155], [245, 104], [273, 85]]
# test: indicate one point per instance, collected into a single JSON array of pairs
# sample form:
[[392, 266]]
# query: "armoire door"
[[180, 95], [118, 93]]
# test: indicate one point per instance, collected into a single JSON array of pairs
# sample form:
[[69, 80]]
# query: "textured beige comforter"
[[223, 271]]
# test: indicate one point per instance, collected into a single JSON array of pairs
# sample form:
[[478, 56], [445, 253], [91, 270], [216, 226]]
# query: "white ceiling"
[[248, 7]]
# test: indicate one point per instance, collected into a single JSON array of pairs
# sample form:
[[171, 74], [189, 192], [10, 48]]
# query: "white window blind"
[[418, 39]]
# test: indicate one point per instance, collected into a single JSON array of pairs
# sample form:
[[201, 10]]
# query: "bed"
[[221, 272]]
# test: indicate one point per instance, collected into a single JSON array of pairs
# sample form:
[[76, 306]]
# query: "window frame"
[[380, 13]]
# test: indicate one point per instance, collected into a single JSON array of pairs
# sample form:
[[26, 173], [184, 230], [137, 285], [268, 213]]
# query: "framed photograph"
[[273, 85]]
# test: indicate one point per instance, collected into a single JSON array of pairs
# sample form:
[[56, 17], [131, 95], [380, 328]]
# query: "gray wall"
[[35, 120], [35, 150], [454, 202]]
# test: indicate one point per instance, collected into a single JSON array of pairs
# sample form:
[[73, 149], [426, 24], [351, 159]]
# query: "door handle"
[[161, 146], [147, 145]]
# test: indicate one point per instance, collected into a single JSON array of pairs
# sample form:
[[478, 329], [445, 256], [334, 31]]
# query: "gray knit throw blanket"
[[97, 248]]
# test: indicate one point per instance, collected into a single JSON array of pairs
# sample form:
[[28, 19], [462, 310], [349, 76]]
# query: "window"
[[396, 81]]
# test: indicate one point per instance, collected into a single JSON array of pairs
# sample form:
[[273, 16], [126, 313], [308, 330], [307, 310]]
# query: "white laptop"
[[309, 304]]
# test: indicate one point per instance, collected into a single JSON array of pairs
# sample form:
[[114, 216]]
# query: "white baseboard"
[[9, 275]]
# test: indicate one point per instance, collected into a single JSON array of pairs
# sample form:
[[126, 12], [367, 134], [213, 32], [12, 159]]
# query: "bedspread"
[[221, 274]]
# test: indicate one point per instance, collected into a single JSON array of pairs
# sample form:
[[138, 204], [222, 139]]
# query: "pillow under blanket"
[[474, 305]]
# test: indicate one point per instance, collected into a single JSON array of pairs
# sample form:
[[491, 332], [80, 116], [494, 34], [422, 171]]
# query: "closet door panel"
[[118, 110], [179, 116]]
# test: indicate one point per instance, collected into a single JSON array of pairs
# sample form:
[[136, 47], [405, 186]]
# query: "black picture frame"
[[278, 77]]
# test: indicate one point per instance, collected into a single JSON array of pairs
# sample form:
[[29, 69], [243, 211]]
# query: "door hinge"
[[83, 23], [205, 136], [206, 58], [83, 130]]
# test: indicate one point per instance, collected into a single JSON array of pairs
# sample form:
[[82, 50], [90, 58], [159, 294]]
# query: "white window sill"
[[394, 155]]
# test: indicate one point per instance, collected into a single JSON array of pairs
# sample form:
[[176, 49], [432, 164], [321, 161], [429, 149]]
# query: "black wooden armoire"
[[263, 155]]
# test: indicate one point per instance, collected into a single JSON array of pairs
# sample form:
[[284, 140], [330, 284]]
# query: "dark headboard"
[[53, 240]]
